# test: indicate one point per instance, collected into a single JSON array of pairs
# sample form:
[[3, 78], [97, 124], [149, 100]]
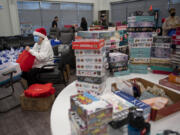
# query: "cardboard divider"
[[169, 109]]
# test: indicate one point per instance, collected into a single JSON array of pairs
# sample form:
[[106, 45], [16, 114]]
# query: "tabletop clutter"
[[133, 102]]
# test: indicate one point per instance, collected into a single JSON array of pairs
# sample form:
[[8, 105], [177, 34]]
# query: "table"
[[59, 120]]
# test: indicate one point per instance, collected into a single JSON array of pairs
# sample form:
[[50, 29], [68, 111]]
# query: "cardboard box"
[[90, 73], [140, 60], [165, 82], [138, 68], [160, 60], [140, 24], [90, 59], [93, 111], [137, 103], [140, 52], [95, 80], [118, 57], [36, 104], [78, 127], [91, 67], [120, 106], [141, 29], [96, 34], [162, 39], [143, 40], [141, 19], [99, 52], [159, 114], [140, 45], [88, 44]]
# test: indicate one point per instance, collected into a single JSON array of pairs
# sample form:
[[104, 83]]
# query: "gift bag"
[[26, 61], [40, 90]]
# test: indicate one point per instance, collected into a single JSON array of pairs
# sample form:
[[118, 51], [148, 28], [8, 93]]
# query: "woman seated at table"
[[43, 53]]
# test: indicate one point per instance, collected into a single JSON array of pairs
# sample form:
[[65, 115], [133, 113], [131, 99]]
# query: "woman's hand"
[[27, 48]]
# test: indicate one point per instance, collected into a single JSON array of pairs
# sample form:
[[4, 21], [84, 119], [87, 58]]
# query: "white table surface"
[[59, 120]]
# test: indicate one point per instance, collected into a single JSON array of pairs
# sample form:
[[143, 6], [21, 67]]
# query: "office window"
[[41, 14], [85, 10], [69, 13], [49, 11]]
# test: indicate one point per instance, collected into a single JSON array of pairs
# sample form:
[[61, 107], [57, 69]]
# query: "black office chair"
[[56, 76], [10, 84]]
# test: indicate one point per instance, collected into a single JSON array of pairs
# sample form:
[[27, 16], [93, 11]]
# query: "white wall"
[[9, 23]]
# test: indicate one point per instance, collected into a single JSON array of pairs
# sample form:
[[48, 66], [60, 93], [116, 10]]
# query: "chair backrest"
[[67, 35], [54, 33]]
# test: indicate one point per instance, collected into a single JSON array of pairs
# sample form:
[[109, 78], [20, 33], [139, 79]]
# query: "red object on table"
[[26, 61], [40, 90], [161, 72], [88, 44]]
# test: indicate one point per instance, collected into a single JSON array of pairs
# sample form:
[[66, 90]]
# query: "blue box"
[[140, 52], [143, 69], [139, 104], [141, 19]]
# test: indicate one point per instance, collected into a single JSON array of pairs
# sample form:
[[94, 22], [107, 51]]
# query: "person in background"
[[43, 52], [84, 24], [55, 22], [171, 23]]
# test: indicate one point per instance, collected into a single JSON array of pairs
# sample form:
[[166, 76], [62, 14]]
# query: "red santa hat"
[[40, 32]]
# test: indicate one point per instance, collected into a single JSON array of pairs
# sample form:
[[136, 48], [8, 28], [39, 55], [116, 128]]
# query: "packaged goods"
[[93, 111]]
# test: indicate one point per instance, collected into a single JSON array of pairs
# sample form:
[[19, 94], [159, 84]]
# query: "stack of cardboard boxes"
[[140, 39], [89, 115], [90, 65], [160, 55]]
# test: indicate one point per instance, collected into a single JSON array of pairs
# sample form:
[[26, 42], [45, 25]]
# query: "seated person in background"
[[172, 22], [84, 24], [43, 53]]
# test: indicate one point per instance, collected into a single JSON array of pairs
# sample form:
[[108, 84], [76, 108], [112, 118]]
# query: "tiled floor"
[[19, 122]]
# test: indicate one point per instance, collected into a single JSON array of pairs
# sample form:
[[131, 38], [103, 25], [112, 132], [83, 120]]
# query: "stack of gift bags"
[[160, 55], [118, 63], [90, 65], [140, 32], [89, 115]]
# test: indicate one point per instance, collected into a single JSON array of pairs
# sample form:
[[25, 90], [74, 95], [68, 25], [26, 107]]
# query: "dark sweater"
[[84, 26], [54, 24]]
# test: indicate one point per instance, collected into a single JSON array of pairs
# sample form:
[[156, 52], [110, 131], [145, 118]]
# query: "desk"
[[59, 120]]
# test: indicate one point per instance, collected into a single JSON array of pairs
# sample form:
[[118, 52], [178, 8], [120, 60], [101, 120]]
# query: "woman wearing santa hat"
[[43, 53]]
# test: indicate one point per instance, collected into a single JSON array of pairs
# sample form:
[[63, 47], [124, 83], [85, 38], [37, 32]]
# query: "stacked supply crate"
[[140, 32], [160, 55], [175, 59], [89, 115], [118, 63], [90, 65], [106, 35], [122, 44]]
